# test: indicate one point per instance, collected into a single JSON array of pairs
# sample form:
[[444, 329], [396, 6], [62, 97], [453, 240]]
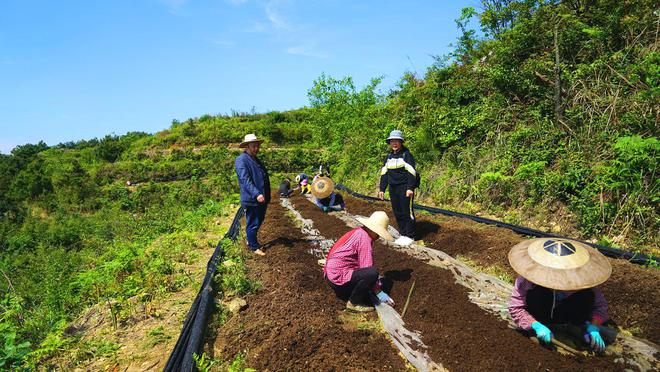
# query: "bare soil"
[[293, 322], [633, 291], [460, 335]]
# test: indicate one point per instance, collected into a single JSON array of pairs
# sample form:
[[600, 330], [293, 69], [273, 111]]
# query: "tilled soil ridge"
[[459, 334], [293, 321], [632, 291]]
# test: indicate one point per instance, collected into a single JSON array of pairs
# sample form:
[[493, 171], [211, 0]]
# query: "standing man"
[[255, 189], [399, 173]]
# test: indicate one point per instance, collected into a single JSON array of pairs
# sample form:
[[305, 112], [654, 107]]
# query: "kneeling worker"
[[325, 196], [349, 267], [558, 286], [303, 182]]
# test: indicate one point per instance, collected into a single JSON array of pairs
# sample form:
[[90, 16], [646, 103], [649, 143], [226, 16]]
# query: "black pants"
[[403, 210], [358, 288], [575, 309]]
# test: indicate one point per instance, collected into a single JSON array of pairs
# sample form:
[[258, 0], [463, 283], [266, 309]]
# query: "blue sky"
[[78, 69]]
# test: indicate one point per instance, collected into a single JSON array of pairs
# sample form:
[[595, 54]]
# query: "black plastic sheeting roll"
[[636, 258], [192, 335]]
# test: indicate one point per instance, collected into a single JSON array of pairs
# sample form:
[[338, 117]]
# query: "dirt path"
[[460, 335], [633, 292], [293, 322]]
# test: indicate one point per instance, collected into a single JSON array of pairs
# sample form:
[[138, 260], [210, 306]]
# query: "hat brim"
[[391, 138], [383, 233], [594, 272], [321, 194], [243, 144]]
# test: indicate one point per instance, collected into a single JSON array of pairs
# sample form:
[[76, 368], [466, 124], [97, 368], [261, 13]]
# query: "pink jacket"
[[524, 320], [352, 251]]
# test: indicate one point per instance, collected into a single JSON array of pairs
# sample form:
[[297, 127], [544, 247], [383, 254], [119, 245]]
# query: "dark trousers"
[[358, 288], [254, 217], [575, 309], [403, 210]]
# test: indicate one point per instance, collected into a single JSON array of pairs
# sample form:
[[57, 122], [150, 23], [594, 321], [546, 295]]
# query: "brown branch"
[[8, 281], [623, 77], [545, 79]]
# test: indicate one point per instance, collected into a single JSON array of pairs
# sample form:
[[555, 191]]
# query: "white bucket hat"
[[377, 222], [395, 134], [560, 264], [249, 138]]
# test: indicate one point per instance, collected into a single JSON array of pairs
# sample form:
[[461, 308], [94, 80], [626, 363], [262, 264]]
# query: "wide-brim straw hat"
[[249, 138], [322, 187], [377, 222], [560, 264]]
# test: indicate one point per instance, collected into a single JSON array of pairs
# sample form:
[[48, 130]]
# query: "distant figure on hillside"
[[303, 182], [324, 195], [349, 267], [285, 188], [557, 290], [255, 189], [399, 173]]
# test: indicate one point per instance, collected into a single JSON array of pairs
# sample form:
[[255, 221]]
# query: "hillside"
[[549, 119]]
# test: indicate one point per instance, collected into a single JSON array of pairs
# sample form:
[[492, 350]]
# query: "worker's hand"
[[594, 339], [383, 297], [543, 333], [381, 195], [409, 193], [260, 198]]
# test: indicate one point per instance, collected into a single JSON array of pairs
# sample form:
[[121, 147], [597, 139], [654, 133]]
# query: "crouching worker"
[[303, 182], [323, 190], [349, 267], [557, 290], [285, 188]]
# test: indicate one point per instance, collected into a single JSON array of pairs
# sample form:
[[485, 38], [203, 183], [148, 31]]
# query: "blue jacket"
[[252, 179]]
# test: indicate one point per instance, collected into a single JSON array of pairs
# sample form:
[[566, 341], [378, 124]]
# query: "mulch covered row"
[[293, 322], [460, 335], [633, 291]]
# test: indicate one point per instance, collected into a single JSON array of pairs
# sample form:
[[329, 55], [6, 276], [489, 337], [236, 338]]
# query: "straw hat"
[[560, 264], [322, 187], [395, 134], [377, 223], [249, 138]]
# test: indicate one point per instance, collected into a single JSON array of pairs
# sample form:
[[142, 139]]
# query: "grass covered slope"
[[549, 120], [117, 225]]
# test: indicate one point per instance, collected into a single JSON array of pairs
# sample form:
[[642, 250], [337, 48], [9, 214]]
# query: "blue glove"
[[325, 209], [383, 297], [543, 333], [593, 338]]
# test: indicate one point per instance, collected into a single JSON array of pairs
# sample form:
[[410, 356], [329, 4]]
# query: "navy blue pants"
[[254, 217], [403, 211]]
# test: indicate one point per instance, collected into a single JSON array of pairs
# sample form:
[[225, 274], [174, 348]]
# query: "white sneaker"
[[403, 241]]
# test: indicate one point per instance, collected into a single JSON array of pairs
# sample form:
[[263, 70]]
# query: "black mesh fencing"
[[636, 258], [192, 334]]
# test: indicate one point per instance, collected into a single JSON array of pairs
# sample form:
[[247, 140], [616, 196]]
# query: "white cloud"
[[301, 50], [5, 148], [275, 16]]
